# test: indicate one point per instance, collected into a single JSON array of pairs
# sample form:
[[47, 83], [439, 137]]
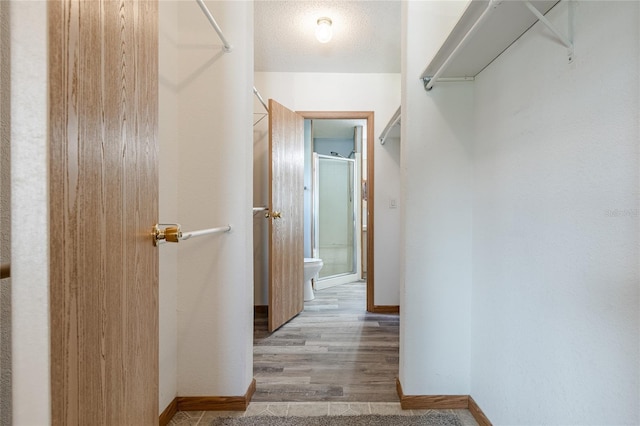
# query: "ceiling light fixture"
[[323, 30]]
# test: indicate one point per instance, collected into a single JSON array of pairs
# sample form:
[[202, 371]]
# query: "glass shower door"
[[335, 215]]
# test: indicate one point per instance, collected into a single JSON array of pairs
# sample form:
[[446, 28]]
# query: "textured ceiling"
[[366, 36]]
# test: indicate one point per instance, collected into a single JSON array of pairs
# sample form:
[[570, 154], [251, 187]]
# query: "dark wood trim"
[[169, 412], [260, 309], [365, 115], [424, 402], [386, 309], [477, 413], [217, 403]]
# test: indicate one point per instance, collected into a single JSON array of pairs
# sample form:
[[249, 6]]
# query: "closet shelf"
[[485, 30], [392, 130]]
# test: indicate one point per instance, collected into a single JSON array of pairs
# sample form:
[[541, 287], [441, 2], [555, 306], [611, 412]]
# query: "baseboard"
[[260, 309], [169, 412], [477, 413], [430, 402], [385, 309], [427, 402], [217, 403]]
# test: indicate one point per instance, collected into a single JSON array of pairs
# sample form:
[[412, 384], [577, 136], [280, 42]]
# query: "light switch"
[[393, 203]]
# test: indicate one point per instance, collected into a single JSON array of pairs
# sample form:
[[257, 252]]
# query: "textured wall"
[[215, 273], [556, 232], [436, 208], [29, 210], [5, 217]]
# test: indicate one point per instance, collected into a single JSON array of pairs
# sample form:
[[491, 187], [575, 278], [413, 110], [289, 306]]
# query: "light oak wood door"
[[286, 174], [103, 100]]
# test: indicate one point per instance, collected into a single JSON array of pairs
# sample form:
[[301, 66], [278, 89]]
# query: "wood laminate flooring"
[[333, 351]]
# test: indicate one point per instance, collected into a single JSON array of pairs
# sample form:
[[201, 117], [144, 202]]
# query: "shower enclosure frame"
[[354, 222]]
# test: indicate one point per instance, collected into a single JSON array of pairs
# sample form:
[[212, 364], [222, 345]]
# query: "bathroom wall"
[[169, 56], [326, 145], [214, 101], [29, 212], [556, 290], [435, 294], [336, 92]]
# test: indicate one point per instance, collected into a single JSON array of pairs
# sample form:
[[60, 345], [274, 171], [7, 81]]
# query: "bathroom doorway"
[[341, 347], [339, 166]]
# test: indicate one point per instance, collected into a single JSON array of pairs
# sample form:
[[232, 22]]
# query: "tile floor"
[[201, 418]]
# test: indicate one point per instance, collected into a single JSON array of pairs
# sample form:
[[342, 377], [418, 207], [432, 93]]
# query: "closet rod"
[[260, 209], [205, 10], [202, 232], [429, 81], [255, 92], [173, 233]]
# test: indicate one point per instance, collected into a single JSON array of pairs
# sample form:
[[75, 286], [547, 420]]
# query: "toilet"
[[311, 268]]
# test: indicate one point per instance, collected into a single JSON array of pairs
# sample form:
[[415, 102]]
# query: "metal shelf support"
[[563, 39]]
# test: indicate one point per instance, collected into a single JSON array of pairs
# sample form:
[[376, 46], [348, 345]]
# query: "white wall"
[[168, 128], [29, 212], [215, 165], [5, 216], [436, 181], [337, 92], [530, 174], [555, 222]]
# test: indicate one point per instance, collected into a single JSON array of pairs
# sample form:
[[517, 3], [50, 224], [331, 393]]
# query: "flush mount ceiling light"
[[323, 30]]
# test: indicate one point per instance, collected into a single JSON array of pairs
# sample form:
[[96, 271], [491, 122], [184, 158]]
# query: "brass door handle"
[[273, 215], [172, 233]]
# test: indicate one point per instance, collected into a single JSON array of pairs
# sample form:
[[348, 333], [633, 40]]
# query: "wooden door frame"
[[359, 115]]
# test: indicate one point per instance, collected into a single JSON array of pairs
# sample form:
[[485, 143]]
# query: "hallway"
[[333, 359], [333, 351]]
